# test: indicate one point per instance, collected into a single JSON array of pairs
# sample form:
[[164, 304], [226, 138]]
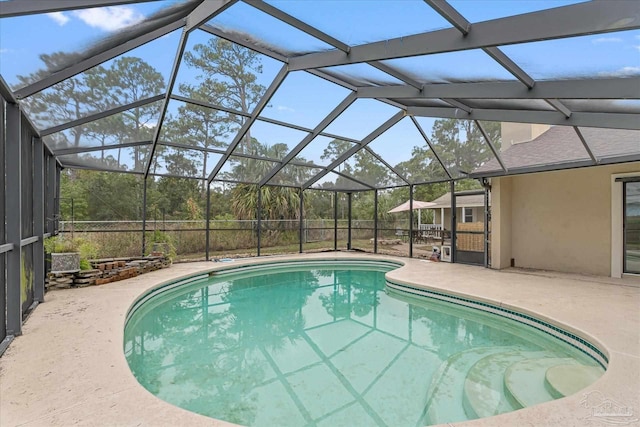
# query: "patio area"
[[72, 344], [257, 130]]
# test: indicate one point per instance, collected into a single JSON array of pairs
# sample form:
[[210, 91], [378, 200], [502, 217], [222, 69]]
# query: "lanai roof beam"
[[605, 88], [602, 120], [449, 13], [575, 20], [310, 137], [98, 59], [373, 135], [20, 7], [101, 115]]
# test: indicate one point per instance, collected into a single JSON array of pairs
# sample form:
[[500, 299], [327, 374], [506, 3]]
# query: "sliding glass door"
[[632, 227]]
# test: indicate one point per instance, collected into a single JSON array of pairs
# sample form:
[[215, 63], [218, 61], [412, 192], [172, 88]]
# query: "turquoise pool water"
[[329, 345]]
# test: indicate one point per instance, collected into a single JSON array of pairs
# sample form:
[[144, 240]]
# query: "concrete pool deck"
[[69, 367]]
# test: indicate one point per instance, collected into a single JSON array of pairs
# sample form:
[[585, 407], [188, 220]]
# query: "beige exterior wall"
[[555, 220], [501, 223]]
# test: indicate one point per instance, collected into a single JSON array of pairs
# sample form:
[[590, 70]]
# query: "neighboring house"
[[569, 219], [469, 208]]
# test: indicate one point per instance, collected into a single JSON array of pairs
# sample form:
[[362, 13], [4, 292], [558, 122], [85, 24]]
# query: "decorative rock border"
[[106, 271]]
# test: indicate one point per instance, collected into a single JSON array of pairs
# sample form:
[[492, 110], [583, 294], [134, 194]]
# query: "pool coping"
[[77, 374]]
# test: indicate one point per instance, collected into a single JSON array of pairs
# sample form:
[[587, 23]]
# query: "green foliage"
[[100, 196], [85, 264], [87, 248], [228, 69], [160, 237], [126, 80], [277, 202], [226, 75], [170, 195], [124, 244], [60, 244]]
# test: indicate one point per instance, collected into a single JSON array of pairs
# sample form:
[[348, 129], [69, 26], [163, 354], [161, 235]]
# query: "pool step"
[[524, 380], [444, 398], [567, 379], [484, 393]]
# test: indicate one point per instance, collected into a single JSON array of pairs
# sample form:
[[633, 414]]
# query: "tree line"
[[226, 74]]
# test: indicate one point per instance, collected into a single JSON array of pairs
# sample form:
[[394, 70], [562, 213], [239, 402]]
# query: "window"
[[467, 213]]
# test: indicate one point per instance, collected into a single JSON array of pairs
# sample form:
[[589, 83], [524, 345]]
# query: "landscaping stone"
[[106, 271]]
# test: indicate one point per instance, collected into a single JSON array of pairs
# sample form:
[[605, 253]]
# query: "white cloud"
[[623, 72], [59, 17], [607, 40], [637, 47], [285, 108], [4, 51], [110, 18]]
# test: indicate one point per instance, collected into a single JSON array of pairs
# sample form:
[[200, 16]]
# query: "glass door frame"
[[631, 180]]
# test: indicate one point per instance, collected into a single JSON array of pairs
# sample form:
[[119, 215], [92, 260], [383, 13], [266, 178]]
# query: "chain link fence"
[[124, 238]]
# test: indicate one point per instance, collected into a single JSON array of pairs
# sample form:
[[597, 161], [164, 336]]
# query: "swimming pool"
[[328, 343]]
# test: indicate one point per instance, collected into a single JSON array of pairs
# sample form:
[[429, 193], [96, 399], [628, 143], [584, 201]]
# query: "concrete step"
[[444, 398], [565, 380], [524, 380], [484, 394]]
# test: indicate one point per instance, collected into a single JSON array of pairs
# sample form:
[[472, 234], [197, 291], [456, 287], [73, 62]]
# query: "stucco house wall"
[[559, 221]]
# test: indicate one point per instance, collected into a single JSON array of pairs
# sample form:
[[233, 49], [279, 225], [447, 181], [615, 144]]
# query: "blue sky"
[[304, 99]]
